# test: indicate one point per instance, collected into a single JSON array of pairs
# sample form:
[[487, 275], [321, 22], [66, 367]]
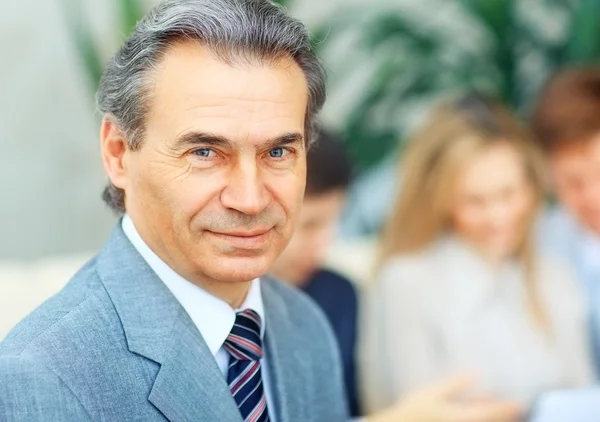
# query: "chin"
[[500, 249], [240, 269]]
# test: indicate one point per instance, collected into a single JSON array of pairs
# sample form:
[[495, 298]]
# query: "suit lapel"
[[288, 372], [189, 385]]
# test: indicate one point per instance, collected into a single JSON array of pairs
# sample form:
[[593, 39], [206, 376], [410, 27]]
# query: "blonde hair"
[[430, 164]]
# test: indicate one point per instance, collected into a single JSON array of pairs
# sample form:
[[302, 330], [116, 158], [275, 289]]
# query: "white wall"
[[50, 168]]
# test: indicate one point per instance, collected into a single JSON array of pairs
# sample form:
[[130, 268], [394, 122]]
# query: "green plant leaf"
[[497, 15], [584, 42], [130, 12], [498, 18]]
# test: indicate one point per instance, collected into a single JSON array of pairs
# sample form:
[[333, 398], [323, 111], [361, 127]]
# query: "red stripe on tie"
[[249, 345], [236, 353], [250, 314], [242, 381], [258, 411]]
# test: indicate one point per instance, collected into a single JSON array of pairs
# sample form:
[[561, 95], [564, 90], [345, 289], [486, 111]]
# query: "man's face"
[[576, 174], [309, 245], [216, 187]]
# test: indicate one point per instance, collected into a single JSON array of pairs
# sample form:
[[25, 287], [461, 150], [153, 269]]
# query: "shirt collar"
[[213, 317]]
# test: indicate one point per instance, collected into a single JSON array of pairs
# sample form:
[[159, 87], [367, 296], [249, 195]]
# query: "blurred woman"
[[459, 287]]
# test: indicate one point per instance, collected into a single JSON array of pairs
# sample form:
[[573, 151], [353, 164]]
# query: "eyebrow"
[[200, 138], [207, 139]]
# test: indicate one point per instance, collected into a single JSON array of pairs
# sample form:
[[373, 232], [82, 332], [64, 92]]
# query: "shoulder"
[[408, 271], [555, 229], [333, 284], [558, 283], [298, 305], [553, 271], [301, 317], [80, 304], [39, 356]]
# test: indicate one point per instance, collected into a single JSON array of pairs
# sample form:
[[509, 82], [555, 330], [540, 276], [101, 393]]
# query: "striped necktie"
[[244, 376]]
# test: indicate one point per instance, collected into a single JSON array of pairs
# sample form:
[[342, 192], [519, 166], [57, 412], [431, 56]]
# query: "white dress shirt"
[[213, 317]]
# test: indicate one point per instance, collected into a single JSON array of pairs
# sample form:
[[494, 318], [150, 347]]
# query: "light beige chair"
[[24, 285]]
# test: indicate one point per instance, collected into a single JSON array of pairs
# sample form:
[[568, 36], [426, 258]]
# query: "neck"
[[493, 260], [231, 292]]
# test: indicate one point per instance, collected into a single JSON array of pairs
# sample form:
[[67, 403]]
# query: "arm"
[[437, 403], [31, 392]]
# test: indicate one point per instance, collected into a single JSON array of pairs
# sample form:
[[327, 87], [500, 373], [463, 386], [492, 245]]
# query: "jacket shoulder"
[[299, 306], [61, 314]]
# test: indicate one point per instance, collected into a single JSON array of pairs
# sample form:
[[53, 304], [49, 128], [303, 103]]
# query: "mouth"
[[244, 240]]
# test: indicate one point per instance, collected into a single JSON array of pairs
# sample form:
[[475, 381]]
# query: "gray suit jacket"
[[115, 345]]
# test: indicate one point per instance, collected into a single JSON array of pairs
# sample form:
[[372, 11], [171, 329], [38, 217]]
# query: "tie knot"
[[244, 342]]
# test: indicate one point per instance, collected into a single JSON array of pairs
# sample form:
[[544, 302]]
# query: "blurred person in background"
[[460, 287], [566, 122], [328, 173], [301, 264]]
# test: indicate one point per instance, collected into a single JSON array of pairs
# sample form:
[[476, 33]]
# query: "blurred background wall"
[[387, 61]]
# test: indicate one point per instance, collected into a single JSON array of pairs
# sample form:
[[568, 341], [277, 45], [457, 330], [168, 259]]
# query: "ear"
[[114, 152]]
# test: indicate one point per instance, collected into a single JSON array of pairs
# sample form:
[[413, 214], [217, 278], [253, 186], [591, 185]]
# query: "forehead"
[[493, 168], [195, 90], [578, 156]]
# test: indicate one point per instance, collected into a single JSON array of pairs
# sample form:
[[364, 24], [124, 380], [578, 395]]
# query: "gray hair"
[[235, 30]]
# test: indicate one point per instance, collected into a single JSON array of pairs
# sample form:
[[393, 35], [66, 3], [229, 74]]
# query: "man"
[[301, 264], [567, 125], [208, 109]]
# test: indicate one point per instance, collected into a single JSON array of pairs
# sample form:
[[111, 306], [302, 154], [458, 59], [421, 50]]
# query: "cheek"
[[194, 196], [522, 206], [468, 218], [293, 249], [288, 193], [148, 190]]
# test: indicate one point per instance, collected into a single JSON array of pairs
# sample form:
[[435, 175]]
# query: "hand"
[[441, 403]]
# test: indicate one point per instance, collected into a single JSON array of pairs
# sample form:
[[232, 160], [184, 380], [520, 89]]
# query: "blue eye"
[[203, 152], [277, 152]]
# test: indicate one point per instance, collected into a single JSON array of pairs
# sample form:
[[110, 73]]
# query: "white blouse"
[[445, 311]]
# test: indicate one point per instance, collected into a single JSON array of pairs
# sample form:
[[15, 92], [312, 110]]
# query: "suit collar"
[[189, 385]]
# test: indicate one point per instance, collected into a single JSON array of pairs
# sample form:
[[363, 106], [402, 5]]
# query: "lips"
[[244, 240]]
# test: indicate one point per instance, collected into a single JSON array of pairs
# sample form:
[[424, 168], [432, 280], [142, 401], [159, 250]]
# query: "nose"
[[246, 191], [499, 214]]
